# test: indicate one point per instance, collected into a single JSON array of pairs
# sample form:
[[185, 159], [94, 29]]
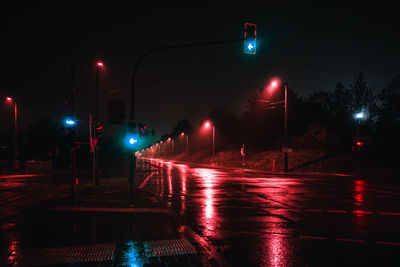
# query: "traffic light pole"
[[132, 157]]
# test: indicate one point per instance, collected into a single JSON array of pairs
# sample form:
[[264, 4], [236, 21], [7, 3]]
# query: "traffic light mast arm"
[[168, 47]]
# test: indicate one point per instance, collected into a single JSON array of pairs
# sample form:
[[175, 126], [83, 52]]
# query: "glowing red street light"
[[275, 83], [100, 64], [207, 124], [9, 99], [182, 133]]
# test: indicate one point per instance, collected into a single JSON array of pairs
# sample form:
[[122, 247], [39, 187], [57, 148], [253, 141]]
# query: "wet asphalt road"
[[240, 218], [22, 193], [253, 219]]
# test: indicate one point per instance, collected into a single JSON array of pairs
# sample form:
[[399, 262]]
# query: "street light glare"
[[132, 141], [70, 122], [359, 115], [207, 124], [9, 99], [100, 64]]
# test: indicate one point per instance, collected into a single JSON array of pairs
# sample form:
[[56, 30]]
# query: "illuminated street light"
[[207, 124], [10, 100], [275, 83], [187, 142], [70, 122], [360, 115]]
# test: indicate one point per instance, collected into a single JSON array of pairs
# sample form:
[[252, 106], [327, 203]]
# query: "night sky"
[[310, 46]]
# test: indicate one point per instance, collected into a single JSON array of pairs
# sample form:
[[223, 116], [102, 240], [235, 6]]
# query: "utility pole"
[[285, 134], [99, 65], [72, 131]]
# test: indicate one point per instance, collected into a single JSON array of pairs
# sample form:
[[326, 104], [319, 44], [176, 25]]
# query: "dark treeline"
[[322, 120]]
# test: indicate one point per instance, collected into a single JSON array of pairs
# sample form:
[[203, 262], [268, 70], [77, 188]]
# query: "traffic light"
[[70, 122], [250, 42], [99, 129], [142, 129], [131, 139]]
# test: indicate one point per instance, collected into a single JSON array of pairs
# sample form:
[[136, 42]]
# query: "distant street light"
[[10, 100], [207, 125], [187, 142], [359, 116], [70, 122], [275, 84]]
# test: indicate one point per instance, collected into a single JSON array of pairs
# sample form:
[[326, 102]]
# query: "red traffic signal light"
[[99, 129]]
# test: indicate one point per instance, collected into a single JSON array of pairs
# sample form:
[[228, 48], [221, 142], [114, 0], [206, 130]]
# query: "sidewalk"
[[245, 170], [97, 226]]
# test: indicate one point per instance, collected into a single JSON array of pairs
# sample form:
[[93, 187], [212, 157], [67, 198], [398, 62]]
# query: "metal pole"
[[213, 136], [73, 168], [286, 153], [15, 131], [187, 144], [132, 163], [92, 146], [96, 178], [72, 82]]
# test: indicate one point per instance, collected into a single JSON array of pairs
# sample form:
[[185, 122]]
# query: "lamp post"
[[359, 116], [208, 124], [187, 142], [99, 65], [10, 100], [275, 84]]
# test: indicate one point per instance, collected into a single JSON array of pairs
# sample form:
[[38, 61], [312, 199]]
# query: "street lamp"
[[99, 65], [207, 125], [359, 116], [187, 142], [275, 84], [10, 100]]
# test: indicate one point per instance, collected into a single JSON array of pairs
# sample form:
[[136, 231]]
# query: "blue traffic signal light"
[[131, 141], [70, 122], [250, 40]]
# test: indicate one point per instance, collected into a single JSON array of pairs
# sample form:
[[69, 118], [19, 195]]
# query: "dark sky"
[[312, 46]]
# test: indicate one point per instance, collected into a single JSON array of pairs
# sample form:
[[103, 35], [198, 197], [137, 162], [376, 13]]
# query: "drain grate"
[[48, 256], [168, 248]]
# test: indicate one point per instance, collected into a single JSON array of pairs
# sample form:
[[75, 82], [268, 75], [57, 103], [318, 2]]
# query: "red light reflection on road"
[[183, 172], [169, 175], [209, 218], [359, 188], [359, 197], [14, 251], [18, 176], [284, 194]]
